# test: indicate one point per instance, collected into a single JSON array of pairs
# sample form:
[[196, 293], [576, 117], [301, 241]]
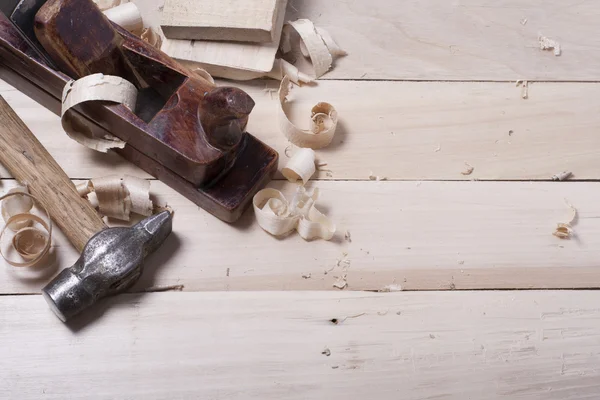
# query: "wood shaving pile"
[[564, 230], [278, 217], [29, 242], [118, 198], [549, 44]]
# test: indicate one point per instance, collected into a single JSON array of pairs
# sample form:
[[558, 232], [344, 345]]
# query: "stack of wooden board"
[[241, 57]]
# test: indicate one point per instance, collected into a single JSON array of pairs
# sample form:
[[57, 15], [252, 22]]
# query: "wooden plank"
[[466, 40], [433, 235], [444, 40], [454, 346], [237, 20], [393, 130], [237, 55]]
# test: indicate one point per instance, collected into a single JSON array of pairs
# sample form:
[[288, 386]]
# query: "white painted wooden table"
[[427, 86]]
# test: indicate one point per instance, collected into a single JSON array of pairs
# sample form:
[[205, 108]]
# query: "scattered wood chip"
[[390, 288], [564, 230], [348, 236], [306, 276], [341, 283], [172, 288], [377, 178], [523, 21], [562, 176], [524, 88], [438, 149], [469, 169], [326, 352], [549, 44]]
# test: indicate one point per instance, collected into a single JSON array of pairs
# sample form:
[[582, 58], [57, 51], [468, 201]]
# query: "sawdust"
[[549, 44]]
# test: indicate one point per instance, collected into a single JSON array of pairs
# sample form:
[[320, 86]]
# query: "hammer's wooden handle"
[[31, 164]]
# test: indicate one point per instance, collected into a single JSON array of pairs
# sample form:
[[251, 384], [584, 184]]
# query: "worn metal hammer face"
[[110, 263]]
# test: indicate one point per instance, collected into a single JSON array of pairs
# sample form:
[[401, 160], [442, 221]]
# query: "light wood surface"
[[454, 346], [393, 129], [235, 20], [429, 235], [32, 165], [229, 335], [458, 40]]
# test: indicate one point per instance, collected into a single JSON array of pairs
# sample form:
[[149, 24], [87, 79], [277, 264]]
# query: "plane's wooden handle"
[[31, 164]]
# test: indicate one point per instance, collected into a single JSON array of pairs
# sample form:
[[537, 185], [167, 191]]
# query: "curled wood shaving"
[[150, 36], [549, 44], [564, 230], [117, 197], [562, 176], [31, 243], [282, 68], [16, 205], [96, 87], [278, 217], [300, 166], [324, 119], [316, 43]]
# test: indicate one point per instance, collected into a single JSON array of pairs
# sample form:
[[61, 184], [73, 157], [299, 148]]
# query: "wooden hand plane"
[[185, 131]]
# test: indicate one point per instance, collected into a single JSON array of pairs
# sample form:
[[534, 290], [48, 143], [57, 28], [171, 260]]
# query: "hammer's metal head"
[[110, 263], [22, 15]]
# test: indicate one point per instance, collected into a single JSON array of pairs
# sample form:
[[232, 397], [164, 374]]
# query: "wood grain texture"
[[458, 40], [453, 346], [234, 20], [246, 56], [427, 236], [393, 129], [30, 163]]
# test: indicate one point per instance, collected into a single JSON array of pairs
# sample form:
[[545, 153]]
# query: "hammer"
[[111, 259]]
